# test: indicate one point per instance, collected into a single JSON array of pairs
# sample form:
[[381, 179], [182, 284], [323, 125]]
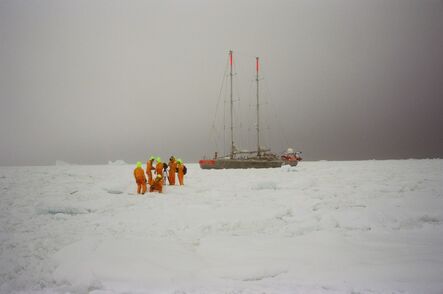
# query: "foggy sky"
[[92, 81]]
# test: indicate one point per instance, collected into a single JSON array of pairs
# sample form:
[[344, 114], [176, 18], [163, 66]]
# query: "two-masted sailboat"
[[260, 158]]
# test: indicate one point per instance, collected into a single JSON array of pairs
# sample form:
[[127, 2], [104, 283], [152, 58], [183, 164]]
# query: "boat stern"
[[207, 163]]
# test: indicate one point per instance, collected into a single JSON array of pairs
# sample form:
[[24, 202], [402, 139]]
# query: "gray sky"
[[92, 81]]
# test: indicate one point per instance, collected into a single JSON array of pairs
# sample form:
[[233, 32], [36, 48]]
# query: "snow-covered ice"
[[117, 162], [320, 227]]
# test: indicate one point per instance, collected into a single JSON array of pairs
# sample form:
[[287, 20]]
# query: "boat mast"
[[232, 117], [258, 109]]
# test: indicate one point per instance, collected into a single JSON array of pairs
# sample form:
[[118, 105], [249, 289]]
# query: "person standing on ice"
[[180, 171], [159, 166], [149, 169], [157, 185], [165, 172], [140, 178], [172, 170]]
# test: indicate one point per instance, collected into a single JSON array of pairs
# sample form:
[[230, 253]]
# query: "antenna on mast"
[[232, 117], [257, 67]]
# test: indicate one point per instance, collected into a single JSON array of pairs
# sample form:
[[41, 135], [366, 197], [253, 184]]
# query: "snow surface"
[[321, 227], [117, 162]]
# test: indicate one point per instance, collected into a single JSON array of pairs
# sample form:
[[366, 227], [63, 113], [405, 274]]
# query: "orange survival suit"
[[149, 169], [157, 185], [172, 169], [140, 179], [180, 172]]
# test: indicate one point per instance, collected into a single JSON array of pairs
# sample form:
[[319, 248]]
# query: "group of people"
[[161, 171]]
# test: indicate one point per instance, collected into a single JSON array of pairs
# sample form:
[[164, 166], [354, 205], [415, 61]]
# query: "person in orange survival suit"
[[180, 171], [172, 169], [149, 169], [159, 166], [157, 185], [140, 178]]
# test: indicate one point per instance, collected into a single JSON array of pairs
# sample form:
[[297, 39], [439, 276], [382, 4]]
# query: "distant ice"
[[288, 168], [265, 185], [117, 162]]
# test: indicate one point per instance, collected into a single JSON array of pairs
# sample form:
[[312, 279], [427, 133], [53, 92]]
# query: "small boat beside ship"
[[290, 157]]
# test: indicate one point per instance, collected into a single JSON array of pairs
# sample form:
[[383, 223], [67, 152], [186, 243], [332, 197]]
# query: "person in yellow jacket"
[[157, 185], [140, 178], [172, 169], [180, 171], [149, 169]]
